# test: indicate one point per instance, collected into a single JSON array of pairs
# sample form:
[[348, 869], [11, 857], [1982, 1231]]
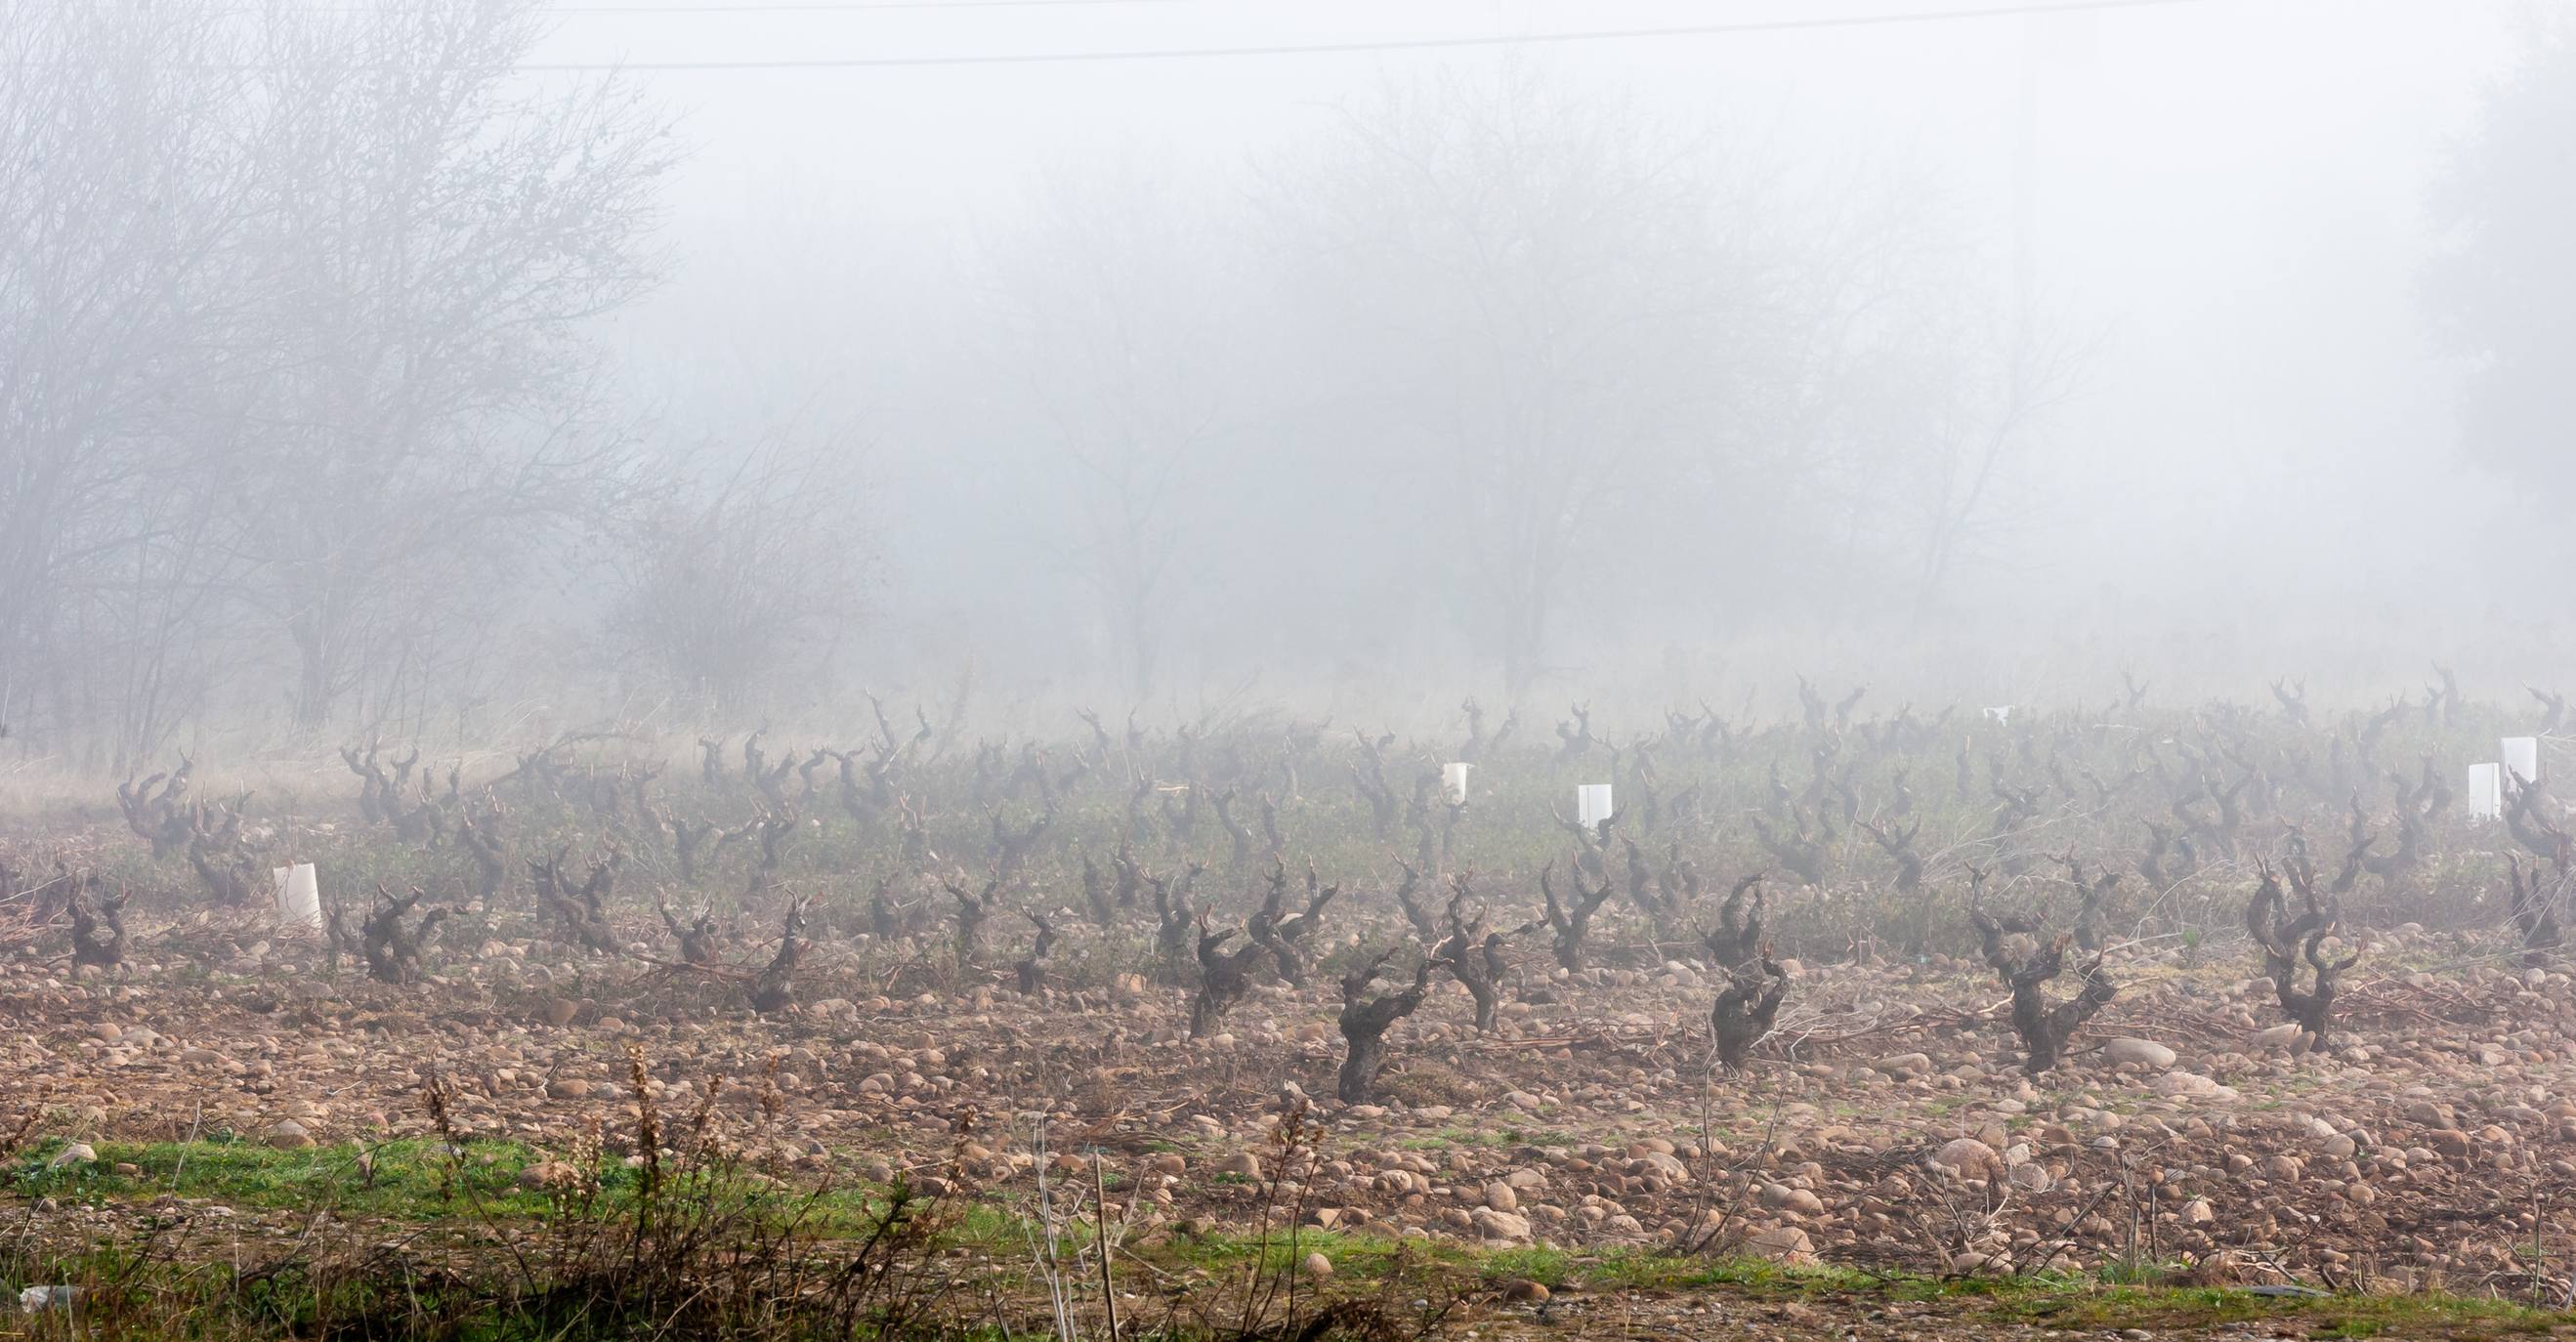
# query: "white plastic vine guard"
[[299, 895], [2486, 791]]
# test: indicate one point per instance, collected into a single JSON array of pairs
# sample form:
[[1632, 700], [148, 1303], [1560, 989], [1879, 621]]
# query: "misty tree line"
[[1510, 361], [294, 373], [307, 417]]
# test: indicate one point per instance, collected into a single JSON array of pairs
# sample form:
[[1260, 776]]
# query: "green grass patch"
[[2083, 1304], [414, 1181], [409, 1180], [423, 1182]]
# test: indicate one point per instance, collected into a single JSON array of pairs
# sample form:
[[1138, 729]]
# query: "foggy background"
[[1981, 357]]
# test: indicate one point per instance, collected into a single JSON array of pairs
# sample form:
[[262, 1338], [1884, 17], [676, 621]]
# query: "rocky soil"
[[1887, 1124]]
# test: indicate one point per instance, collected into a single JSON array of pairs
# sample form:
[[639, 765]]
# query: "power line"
[[702, 7], [1397, 44], [833, 6]]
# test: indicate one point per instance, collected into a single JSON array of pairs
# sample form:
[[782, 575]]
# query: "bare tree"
[[1991, 395], [1917, 391], [746, 577], [434, 404], [1118, 338], [126, 175], [2498, 293], [1575, 303]]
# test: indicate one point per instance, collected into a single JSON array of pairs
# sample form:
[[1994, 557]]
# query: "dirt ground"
[[1888, 1128]]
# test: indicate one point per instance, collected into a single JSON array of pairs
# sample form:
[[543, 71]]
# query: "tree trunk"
[[1359, 1070]]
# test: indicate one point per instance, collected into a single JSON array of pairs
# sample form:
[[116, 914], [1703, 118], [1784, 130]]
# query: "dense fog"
[[467, 370]]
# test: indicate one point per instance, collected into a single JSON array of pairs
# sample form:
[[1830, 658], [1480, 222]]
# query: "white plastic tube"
[[299, 895], [2486, 791], [2522, 758]]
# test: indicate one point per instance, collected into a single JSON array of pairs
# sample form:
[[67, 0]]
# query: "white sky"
[[2229, 191]]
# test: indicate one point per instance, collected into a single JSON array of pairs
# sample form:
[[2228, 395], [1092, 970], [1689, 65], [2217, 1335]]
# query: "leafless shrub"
[[2535, 908], [98, 925], [1572, 919], [1365, 1021], [1030, 971], [696, 937], [392, 950], [2043, 1026], [579, 912], [774, 990], [1283, 934], [2286, 940], [974, 908], [1472, 954], [1224, 976]]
